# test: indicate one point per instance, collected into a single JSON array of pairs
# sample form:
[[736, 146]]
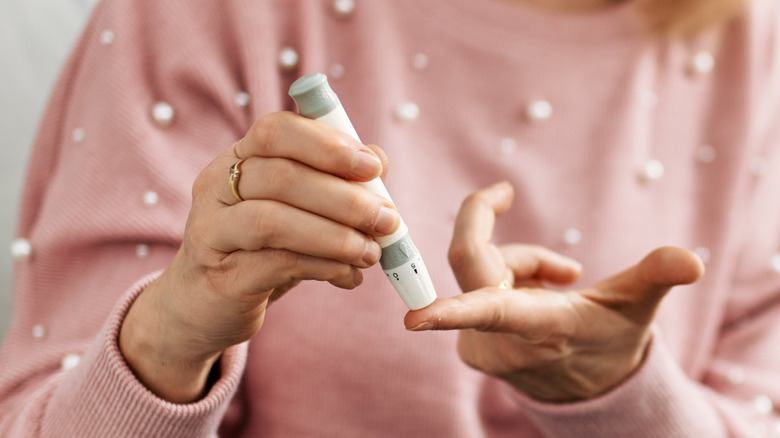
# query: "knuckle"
[[339, 149], [201, 185], [265, 224], [361, 210], [205, 182], [351, 248], [266, 130], [289, 264], [496, 320], [460, 254], [279, 174], [475, 199]]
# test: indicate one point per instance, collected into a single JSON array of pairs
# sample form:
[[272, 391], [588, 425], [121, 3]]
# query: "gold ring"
[[235, 174], [505, 285]]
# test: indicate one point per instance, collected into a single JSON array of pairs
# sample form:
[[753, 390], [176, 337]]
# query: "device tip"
[[313, 95]]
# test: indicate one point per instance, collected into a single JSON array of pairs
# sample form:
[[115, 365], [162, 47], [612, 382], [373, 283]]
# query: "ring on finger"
[[235, 175]]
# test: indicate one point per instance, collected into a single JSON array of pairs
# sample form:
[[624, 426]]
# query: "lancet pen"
[[400, 259]]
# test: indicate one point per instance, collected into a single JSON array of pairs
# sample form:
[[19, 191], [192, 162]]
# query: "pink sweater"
[[646, 145]]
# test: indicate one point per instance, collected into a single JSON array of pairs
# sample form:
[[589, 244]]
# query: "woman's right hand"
[[302, 218]]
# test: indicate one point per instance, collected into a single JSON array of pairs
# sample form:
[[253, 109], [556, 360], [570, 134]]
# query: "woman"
[[618, 130]]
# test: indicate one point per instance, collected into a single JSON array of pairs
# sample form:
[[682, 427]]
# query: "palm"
[[555, 346]]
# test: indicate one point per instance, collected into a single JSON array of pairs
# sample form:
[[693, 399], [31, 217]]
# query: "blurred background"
[[35, 39]]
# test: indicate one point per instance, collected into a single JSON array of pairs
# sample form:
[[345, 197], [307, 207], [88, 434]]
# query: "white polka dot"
[[288, 58], [38, 331], [539, 110], [736, 375], [242, 98], [649, 99], [162, 114], [775, 263], [701, 63], [151, 198], [142, 251], [343, 8], [777, 428], [653, 170], [420, 61], [572, 236], [336, 71], [70, 361], [706, 154], [106, 37], [21, 248], [78, 135], [703, 253], [407, 111], [763, 404], [758, 166], [508, 145]]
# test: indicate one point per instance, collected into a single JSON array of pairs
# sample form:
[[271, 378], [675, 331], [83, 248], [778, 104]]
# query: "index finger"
[[530, 313], [289, 135]]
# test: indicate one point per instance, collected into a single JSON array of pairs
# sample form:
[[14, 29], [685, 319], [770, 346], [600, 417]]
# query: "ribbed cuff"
[[101, 397], [659, 400]]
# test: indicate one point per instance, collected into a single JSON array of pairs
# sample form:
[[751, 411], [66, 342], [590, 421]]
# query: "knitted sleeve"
[[151, 93]]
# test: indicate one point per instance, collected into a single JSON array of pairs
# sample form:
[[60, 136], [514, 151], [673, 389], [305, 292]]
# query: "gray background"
[[35, 38]]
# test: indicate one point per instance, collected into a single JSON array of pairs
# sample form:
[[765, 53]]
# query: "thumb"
[[637, 292]]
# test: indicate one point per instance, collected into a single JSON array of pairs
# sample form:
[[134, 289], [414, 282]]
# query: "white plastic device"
[[400, 259]]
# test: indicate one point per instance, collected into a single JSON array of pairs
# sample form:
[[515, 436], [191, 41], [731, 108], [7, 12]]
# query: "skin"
[[553, 346], [237, 257]]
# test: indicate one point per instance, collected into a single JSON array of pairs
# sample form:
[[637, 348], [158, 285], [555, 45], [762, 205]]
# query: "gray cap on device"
[[313, 95]]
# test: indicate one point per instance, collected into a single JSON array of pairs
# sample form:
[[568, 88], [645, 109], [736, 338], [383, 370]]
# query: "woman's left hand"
[[554, 346]]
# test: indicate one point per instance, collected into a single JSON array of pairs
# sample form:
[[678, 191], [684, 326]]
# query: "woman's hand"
[[553, 346], [302, 218]]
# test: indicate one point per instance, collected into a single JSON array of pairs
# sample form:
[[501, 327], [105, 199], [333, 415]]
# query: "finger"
[[382, 157], [289, 135], [323, 194], [474, 260], [532, 262], [263, 270], [255, 225], [478, 212], [534, 314], [637, 292]]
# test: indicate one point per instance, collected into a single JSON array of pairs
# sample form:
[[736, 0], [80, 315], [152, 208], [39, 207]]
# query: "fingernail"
[[365, 165], [422, 327], [357, 277], [387, 221], [373, 252]]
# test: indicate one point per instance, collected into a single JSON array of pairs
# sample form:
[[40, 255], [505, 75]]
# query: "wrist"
[[163, 361]]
